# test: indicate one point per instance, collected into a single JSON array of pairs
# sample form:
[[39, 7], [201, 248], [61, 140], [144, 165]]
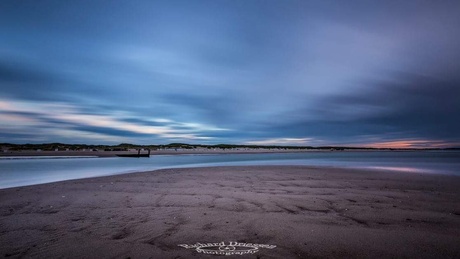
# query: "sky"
[[309, 73]]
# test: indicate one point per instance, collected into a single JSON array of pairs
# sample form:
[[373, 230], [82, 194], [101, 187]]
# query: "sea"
[[23, 171]]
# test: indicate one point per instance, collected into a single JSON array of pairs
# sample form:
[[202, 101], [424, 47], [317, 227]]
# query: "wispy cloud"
[[284, 142], [64, 120]]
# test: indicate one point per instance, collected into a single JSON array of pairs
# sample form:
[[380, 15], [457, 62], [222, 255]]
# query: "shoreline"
[[152, 153], [306, 212], [185, 152]]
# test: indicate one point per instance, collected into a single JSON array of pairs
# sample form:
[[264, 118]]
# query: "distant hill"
[[124, 146]]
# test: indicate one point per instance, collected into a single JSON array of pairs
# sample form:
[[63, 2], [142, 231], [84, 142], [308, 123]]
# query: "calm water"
[[28, 171]]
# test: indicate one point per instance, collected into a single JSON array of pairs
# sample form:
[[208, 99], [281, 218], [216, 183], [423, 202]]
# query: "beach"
[[260, 211]]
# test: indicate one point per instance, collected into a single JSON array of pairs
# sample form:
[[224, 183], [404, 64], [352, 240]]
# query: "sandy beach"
[[271, 211]]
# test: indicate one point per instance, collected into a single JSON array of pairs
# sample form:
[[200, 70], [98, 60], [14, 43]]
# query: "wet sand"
[[306, 212]]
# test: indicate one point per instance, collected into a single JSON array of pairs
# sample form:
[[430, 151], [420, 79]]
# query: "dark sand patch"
[[306, 212]]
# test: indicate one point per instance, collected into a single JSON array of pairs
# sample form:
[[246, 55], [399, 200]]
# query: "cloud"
[[231, 72], [26, 116], [19, 81], [283, 142], [411, 143], [407, 106]]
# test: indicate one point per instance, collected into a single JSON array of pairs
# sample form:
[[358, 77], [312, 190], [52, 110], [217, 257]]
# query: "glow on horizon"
[[409, 144], [18, 121]]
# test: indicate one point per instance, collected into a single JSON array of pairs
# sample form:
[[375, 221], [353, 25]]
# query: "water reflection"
[[25, 171]]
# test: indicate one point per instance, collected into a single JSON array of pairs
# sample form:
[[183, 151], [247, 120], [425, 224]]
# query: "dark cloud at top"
[[230, 71]]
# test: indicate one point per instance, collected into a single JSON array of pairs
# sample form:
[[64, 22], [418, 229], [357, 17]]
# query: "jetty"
[[136, 155]]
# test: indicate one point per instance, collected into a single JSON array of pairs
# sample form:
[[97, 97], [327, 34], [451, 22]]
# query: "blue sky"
[[358, 73]]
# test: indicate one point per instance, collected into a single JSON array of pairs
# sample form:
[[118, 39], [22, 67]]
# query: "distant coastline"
[[60, 149]]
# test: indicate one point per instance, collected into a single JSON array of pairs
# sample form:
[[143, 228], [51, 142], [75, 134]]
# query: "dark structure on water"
[[136, 155]]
